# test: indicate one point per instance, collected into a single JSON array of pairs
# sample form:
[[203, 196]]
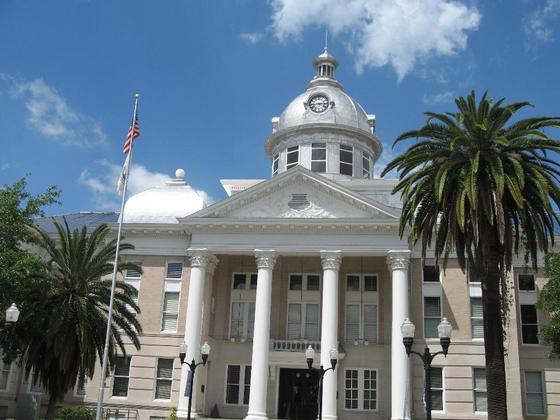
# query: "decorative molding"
[[398, 260], [199, 257], [331, 260], [265, 258]]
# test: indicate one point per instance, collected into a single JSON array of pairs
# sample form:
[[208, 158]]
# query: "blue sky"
[[212, 74]]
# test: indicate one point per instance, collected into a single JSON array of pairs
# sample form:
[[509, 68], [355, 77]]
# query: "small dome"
[[342, 109], [163, 204]]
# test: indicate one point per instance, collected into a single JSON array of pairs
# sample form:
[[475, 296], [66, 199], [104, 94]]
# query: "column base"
[[182, 414], [327, 417], [401, 418], [256, 416]]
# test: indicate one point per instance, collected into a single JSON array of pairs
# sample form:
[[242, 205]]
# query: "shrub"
[[75, 413]]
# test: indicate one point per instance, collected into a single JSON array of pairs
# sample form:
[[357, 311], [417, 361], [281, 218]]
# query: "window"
[[81, 386], [361, 307], [238, 378], [164, 378], [242, 320], [353, 283], [431, 273], [360, 389], [479, 390], [121, 376], [292, 157], [366, 165], [36, 386], [370, 283], [432, 316], [529, 324], [313, 282], [244, 281], [275, 161], [534, 393], [526, 282], [303, 321], [253, 281], [436, 376], [4, 373], [296, 282], [174, 270], [133, 274], [318, 157], [346, 160], [170, 311], [477, 319]]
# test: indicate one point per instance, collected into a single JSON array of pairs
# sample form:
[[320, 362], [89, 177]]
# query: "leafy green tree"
[[18, 208], [549, 302], [473, 184], [75, 309]]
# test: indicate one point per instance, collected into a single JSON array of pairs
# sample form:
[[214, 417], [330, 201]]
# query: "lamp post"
[[204, 352], [444, 333], [12, 314], [310, 355]]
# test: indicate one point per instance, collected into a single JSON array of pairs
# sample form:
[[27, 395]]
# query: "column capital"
[[398, 260], [265, 258], [331, 260], [212, 264], [199, 257]]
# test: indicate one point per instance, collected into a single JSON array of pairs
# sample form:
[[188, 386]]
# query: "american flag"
[[133, 132]]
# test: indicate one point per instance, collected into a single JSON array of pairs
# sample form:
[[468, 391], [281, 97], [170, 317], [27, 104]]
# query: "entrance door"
[[297, 397]]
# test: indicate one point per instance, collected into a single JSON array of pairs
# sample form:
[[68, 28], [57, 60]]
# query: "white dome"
[[343, 110], [163, 204]]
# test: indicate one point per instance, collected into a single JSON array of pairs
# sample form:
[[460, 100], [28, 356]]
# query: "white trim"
[[275, 160], [543, 384], [162, 312], [361, 390], [298, 151], [241, 394], [156, 378]]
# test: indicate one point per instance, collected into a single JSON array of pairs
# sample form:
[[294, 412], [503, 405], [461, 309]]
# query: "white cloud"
[[251, 37], [438, 98], [399, 33], [103, 185], [538, 25], [5, 166], [49, 114]]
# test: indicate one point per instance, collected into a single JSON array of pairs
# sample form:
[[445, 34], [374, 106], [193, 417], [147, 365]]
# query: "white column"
[[329, 329], [261, 336], [200, 260], [401, 398]]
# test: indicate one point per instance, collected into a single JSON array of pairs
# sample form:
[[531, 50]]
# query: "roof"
[[78, 220]]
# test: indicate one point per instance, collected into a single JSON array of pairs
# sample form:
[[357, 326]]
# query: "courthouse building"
[[310, 256]]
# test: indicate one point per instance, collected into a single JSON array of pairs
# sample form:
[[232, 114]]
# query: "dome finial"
[[326, 41], [325, 64]]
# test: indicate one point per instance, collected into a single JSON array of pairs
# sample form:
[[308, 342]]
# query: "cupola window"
[[292, 157], [319, 157], [275, 160], [366, 165], [346, 160]]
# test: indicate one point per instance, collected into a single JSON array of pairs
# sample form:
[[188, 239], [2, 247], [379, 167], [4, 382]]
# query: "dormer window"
[[292, 157], [275, 160], [366, 165], [346, 160]]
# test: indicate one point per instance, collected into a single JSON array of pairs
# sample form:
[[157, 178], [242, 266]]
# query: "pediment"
[[298, 193]]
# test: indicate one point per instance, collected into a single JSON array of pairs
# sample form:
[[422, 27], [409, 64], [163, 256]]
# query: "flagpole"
[[99, 410]]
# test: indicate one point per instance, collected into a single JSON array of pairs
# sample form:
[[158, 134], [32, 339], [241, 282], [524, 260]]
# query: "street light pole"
[[444, 333], [204, 351], [310, 355]]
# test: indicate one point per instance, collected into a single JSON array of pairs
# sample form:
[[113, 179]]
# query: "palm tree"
[[482, 186], [73, 315]]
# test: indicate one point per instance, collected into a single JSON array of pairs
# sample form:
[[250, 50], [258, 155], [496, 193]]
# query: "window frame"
[[157, 379], [303, 320], [366, 297], [543, 393], [7, 372], [347, 149], [537, 324], [366, 156], [30, 385], [167, 270], [247, 297], [431, 317], [439, 274], [139, 277], [314, 146], [164, 312], [361, 390], [114, 376], [481, 318], [534, 289], [241, 385], [275, 164], [295, 150], [476, 390], [442, 389]]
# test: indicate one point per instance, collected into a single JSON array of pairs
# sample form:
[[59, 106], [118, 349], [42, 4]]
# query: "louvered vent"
[[299, 202]]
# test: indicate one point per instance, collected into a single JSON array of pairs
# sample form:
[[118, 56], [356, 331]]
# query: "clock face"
[[318, 103]]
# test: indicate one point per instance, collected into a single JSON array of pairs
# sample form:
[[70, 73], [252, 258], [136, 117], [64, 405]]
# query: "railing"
[[120, 414], [294, 345]]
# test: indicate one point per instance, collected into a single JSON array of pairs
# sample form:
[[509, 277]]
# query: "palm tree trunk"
[[493, 327], [51, 409]]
